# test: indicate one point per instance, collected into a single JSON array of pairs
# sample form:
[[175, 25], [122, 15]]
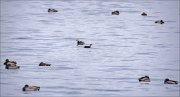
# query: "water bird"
[[115, 12], [11, 64], [159, 21], [80, 42], [52, 10], [44, 64], [144, 79], [88, 46], [144, 14], [168, 81], [30, 88]]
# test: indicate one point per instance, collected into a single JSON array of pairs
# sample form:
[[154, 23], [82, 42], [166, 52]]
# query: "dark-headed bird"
[[30, 88], [144, 79], [168, 81], [44, 64], [115, 12], [159, 22], [144, 14]]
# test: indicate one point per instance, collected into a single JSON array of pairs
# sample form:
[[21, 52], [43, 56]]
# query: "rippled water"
[[125, 47]]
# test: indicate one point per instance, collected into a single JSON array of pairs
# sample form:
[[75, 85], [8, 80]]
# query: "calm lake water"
[[125, 47]]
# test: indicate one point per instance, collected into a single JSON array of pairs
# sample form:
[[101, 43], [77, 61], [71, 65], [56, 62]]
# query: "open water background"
[[125, 47]]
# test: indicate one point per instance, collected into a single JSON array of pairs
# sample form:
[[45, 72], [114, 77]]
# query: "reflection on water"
[[125, 47]]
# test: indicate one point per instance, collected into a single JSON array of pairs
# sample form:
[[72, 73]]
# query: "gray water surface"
[[125, 47]]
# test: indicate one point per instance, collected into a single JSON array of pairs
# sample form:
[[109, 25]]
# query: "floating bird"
[[168, 81], [11, 64], [159, 22], [44, 64], [144, 14], [52, 10], [88, 46], [144, 79], [115, 12], [30, 88], [80, 42]]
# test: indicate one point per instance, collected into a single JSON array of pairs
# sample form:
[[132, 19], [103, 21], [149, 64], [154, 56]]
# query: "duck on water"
[[168, 81], [144, 14], [52, 10], [144, 79], [159, 22], [44, 64], [30, 88], [11, 64], [115, 12]]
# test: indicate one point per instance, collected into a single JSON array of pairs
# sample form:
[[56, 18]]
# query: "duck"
[[52, 10], [144, 79], [80, 42], [11, 64], [168, 81], [88, 46], [12, 67], [144, 14], [44, 64], [115, 12], [159, 21], [30, 88], [7, 61]]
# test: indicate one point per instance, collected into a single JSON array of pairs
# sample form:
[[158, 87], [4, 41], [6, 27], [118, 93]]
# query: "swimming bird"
[[88, 46], [115, 12], [144, 14], [80, 42], [11, 64], [44, 64], [144, 79], [159, 21], [168, 81], [52, 10], [30, 88]]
